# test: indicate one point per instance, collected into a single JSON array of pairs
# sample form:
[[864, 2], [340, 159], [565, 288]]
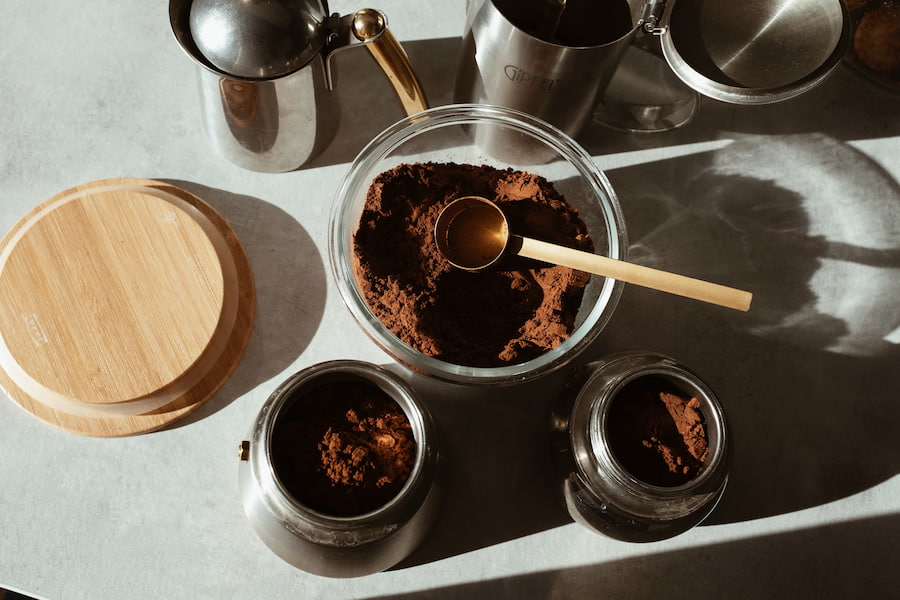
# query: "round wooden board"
[[127, 304]]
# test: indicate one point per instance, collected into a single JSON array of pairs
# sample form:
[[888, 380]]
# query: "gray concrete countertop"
[[797, 202]]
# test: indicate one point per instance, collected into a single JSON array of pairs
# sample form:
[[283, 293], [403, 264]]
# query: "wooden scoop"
[[472, 233]]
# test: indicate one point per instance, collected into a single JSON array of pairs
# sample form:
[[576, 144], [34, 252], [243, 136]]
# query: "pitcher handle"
[[370, 27]]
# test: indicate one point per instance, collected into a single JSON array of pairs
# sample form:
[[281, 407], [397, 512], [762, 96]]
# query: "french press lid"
[[750, 52], [258, 38]]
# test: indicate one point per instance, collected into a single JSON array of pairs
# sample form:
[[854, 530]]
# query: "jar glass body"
[[598, 491]]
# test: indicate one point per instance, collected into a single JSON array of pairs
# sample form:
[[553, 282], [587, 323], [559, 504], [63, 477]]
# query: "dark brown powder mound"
[[656, 434], [343, 448], [509, 314], [362, 448]]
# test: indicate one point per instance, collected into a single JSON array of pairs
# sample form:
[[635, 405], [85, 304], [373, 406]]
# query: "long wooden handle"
[[672, 283]]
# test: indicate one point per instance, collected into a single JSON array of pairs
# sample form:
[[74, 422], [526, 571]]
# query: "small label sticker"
[[170, 218], [34, 328]]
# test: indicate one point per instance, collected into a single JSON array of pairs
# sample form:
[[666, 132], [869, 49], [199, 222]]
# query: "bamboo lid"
[[126, 304]]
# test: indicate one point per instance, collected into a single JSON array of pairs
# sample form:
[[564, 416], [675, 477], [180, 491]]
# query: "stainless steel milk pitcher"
[[264, 69], [520, 54]]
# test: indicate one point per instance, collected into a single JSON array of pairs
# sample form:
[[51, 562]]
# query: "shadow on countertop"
[[290, 280], [10, 595], [846, 560]]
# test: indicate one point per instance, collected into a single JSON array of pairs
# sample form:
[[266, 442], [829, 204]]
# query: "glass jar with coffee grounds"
[[640, 444], [339, 475]]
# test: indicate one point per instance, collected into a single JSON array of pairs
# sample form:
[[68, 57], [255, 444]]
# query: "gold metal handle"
[[391, 57]]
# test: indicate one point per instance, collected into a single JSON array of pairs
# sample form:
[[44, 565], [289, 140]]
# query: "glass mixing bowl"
[[501, 138]]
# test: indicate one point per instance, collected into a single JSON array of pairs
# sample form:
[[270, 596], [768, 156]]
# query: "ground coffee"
[[509, 314], [343, 448], [658, 435]]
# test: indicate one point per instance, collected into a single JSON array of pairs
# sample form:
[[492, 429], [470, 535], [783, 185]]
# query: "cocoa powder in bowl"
[[510, 314], [343, 447], [657, 433]]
